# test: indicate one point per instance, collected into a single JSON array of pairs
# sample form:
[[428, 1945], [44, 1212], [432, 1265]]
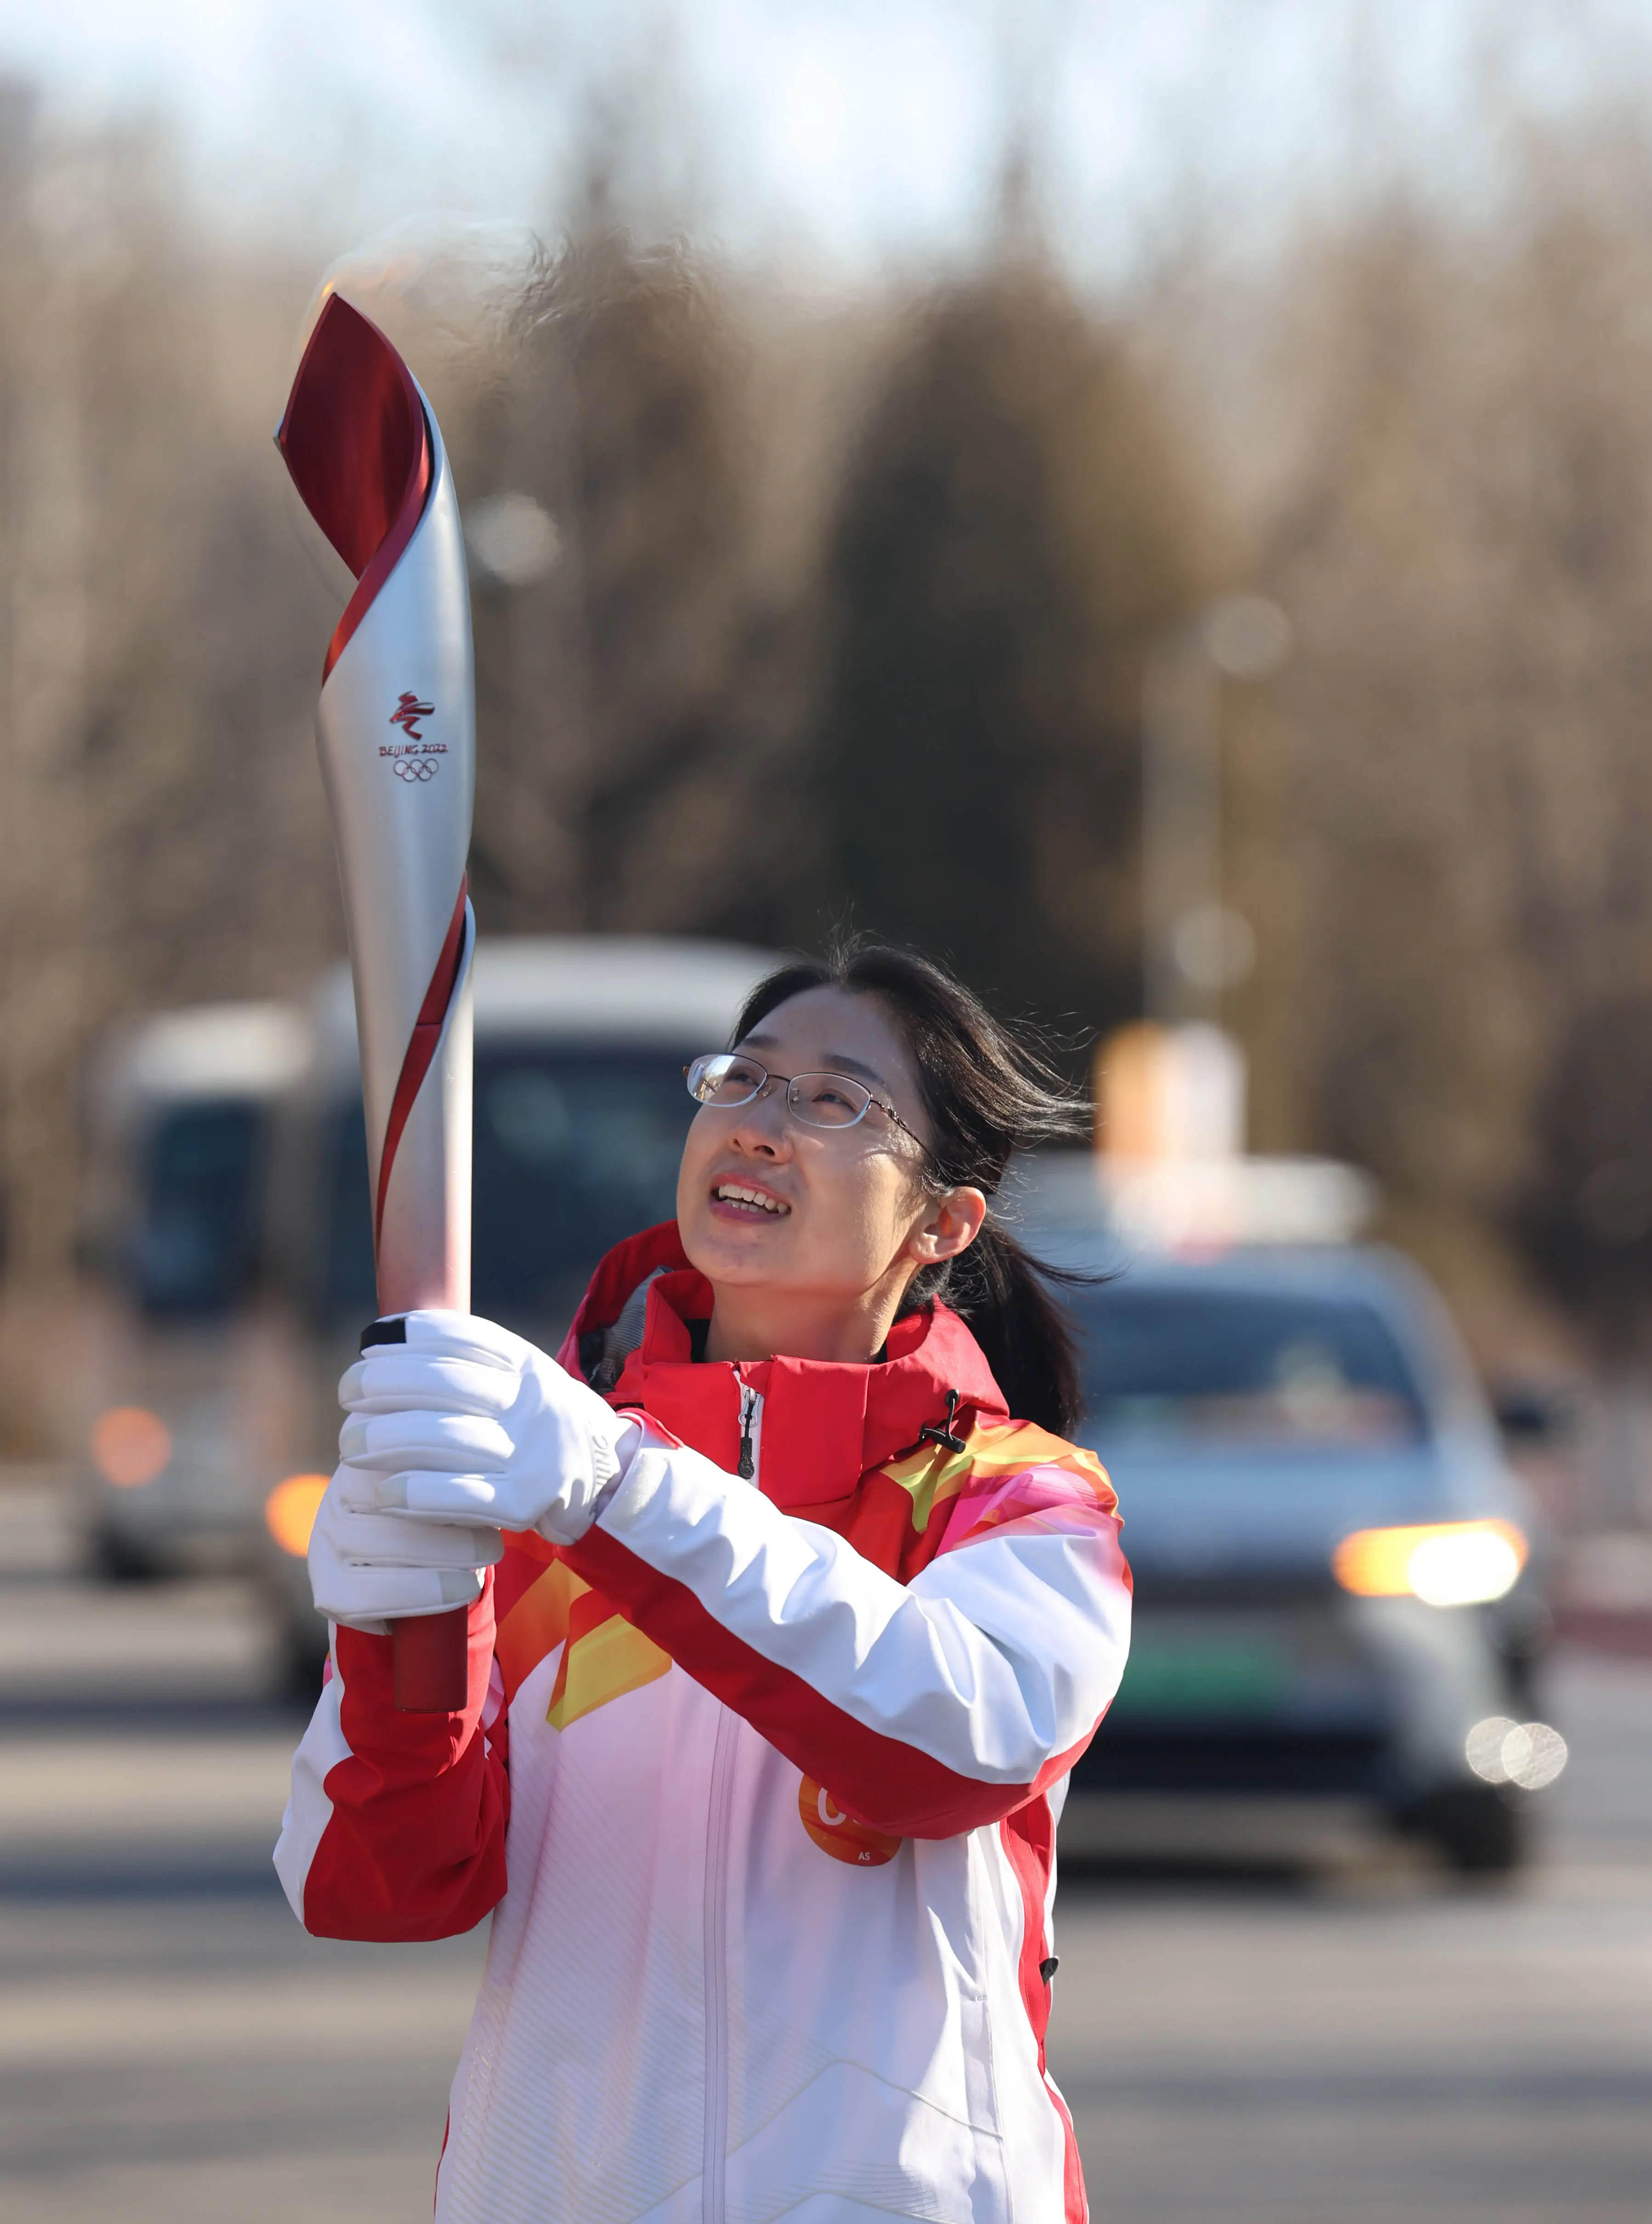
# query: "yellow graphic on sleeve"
[[603, 1657], [993, 1451], [836, 1834]]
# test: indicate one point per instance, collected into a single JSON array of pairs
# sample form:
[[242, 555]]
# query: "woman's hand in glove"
[[367, 1571], [466, 1423]]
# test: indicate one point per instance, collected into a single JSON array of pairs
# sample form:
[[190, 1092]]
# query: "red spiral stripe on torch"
[[355, 439], [421, 1048]]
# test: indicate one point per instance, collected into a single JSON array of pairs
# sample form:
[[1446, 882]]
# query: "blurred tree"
[[1018, 522], [160, 628], [1586, 1212], [213, 867], [1408, 1019], [637, 681], [1463, 538]]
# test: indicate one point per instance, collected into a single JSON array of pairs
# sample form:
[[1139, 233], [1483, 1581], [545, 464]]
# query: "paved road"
[[1373, 2045], [1384, 2047]]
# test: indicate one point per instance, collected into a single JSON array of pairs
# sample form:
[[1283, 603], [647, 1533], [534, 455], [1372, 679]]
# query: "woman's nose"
[[762, 1126]]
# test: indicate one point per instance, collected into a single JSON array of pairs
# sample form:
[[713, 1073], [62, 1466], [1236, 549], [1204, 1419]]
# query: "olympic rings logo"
[[414, 768]]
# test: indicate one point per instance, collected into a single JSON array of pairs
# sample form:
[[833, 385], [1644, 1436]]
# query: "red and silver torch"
[[397, 726]]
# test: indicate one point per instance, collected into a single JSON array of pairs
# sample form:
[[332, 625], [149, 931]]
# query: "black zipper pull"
[[748, 1466], [946, 1436]]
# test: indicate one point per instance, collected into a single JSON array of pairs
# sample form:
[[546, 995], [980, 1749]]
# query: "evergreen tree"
[[1016, 529]]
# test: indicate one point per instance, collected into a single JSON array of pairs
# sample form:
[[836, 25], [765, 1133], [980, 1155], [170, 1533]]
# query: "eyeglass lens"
[[820, 1100]]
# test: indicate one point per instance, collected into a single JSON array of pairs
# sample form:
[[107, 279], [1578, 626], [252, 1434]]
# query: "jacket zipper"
[[750, 1433], [716, 1947], [716, 1911]]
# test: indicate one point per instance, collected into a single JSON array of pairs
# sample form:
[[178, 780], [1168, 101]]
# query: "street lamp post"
[[1193, 945]]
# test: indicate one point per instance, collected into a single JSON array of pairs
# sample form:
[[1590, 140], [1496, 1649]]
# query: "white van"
[[581, 1108], [178, 1114]]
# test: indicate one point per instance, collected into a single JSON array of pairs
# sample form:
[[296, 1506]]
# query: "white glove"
[[367, 1570], [466, 1423]]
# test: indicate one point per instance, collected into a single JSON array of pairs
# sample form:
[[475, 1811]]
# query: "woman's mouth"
[[734, 1200]]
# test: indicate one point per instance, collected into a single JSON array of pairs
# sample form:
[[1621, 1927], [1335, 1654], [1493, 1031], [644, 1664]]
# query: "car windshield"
[[574, 1150], [192, 1250], [1242, 1368]]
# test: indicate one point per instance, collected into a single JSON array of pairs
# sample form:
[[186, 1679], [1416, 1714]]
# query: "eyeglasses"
[[819, 1099]]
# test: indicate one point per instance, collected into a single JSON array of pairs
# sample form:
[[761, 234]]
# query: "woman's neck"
[[762, 1323]]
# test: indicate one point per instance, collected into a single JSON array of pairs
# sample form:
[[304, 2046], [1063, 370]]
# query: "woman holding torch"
[[789, 1609]]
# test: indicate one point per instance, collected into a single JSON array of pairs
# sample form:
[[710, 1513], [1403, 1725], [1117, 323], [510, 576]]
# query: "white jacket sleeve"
[[928, 1707]]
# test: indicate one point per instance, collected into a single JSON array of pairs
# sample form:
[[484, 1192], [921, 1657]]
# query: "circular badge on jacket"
[[836, 1834]]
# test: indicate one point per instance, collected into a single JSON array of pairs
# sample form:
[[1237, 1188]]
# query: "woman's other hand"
[[367, 1571], [466, 1424]]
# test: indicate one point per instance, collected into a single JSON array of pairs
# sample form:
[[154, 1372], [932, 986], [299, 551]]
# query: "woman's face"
[[825, 1215]]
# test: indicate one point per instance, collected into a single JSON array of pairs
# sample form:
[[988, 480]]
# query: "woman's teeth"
[[730, 1194]]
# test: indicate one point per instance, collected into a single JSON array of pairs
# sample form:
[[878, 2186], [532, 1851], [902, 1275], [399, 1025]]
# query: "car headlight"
[[290, 1512], [1442, 1563]]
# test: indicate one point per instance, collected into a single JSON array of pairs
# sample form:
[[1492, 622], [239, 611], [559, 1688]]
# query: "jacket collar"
[[825, 1424]]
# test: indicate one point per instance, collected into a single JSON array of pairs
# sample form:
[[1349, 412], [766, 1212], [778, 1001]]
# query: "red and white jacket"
[[759, 1782]]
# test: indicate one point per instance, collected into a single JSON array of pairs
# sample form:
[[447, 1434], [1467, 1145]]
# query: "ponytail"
[[1004, 1294], [989, 1092]]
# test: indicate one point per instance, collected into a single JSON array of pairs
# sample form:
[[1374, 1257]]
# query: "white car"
[[582, 1109]]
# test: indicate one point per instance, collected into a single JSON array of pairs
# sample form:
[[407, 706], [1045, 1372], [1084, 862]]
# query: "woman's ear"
[[951, 1225]]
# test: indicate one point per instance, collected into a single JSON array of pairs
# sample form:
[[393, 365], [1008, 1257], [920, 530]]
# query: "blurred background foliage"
[[1017, 522], [800, 606]]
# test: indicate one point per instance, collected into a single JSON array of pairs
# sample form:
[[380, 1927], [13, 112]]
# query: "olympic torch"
[[396, 728]]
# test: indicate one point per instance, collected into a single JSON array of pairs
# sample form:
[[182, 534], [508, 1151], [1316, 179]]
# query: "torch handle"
[[429, 1653]]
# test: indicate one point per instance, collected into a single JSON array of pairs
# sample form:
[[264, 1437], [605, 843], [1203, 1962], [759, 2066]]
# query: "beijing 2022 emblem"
[[415, 757]]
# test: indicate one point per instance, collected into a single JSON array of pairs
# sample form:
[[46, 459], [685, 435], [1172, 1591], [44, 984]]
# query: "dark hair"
[[989, 1092]]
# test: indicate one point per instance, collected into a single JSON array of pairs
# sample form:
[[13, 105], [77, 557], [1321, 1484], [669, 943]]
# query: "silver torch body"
[[397, 727]]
